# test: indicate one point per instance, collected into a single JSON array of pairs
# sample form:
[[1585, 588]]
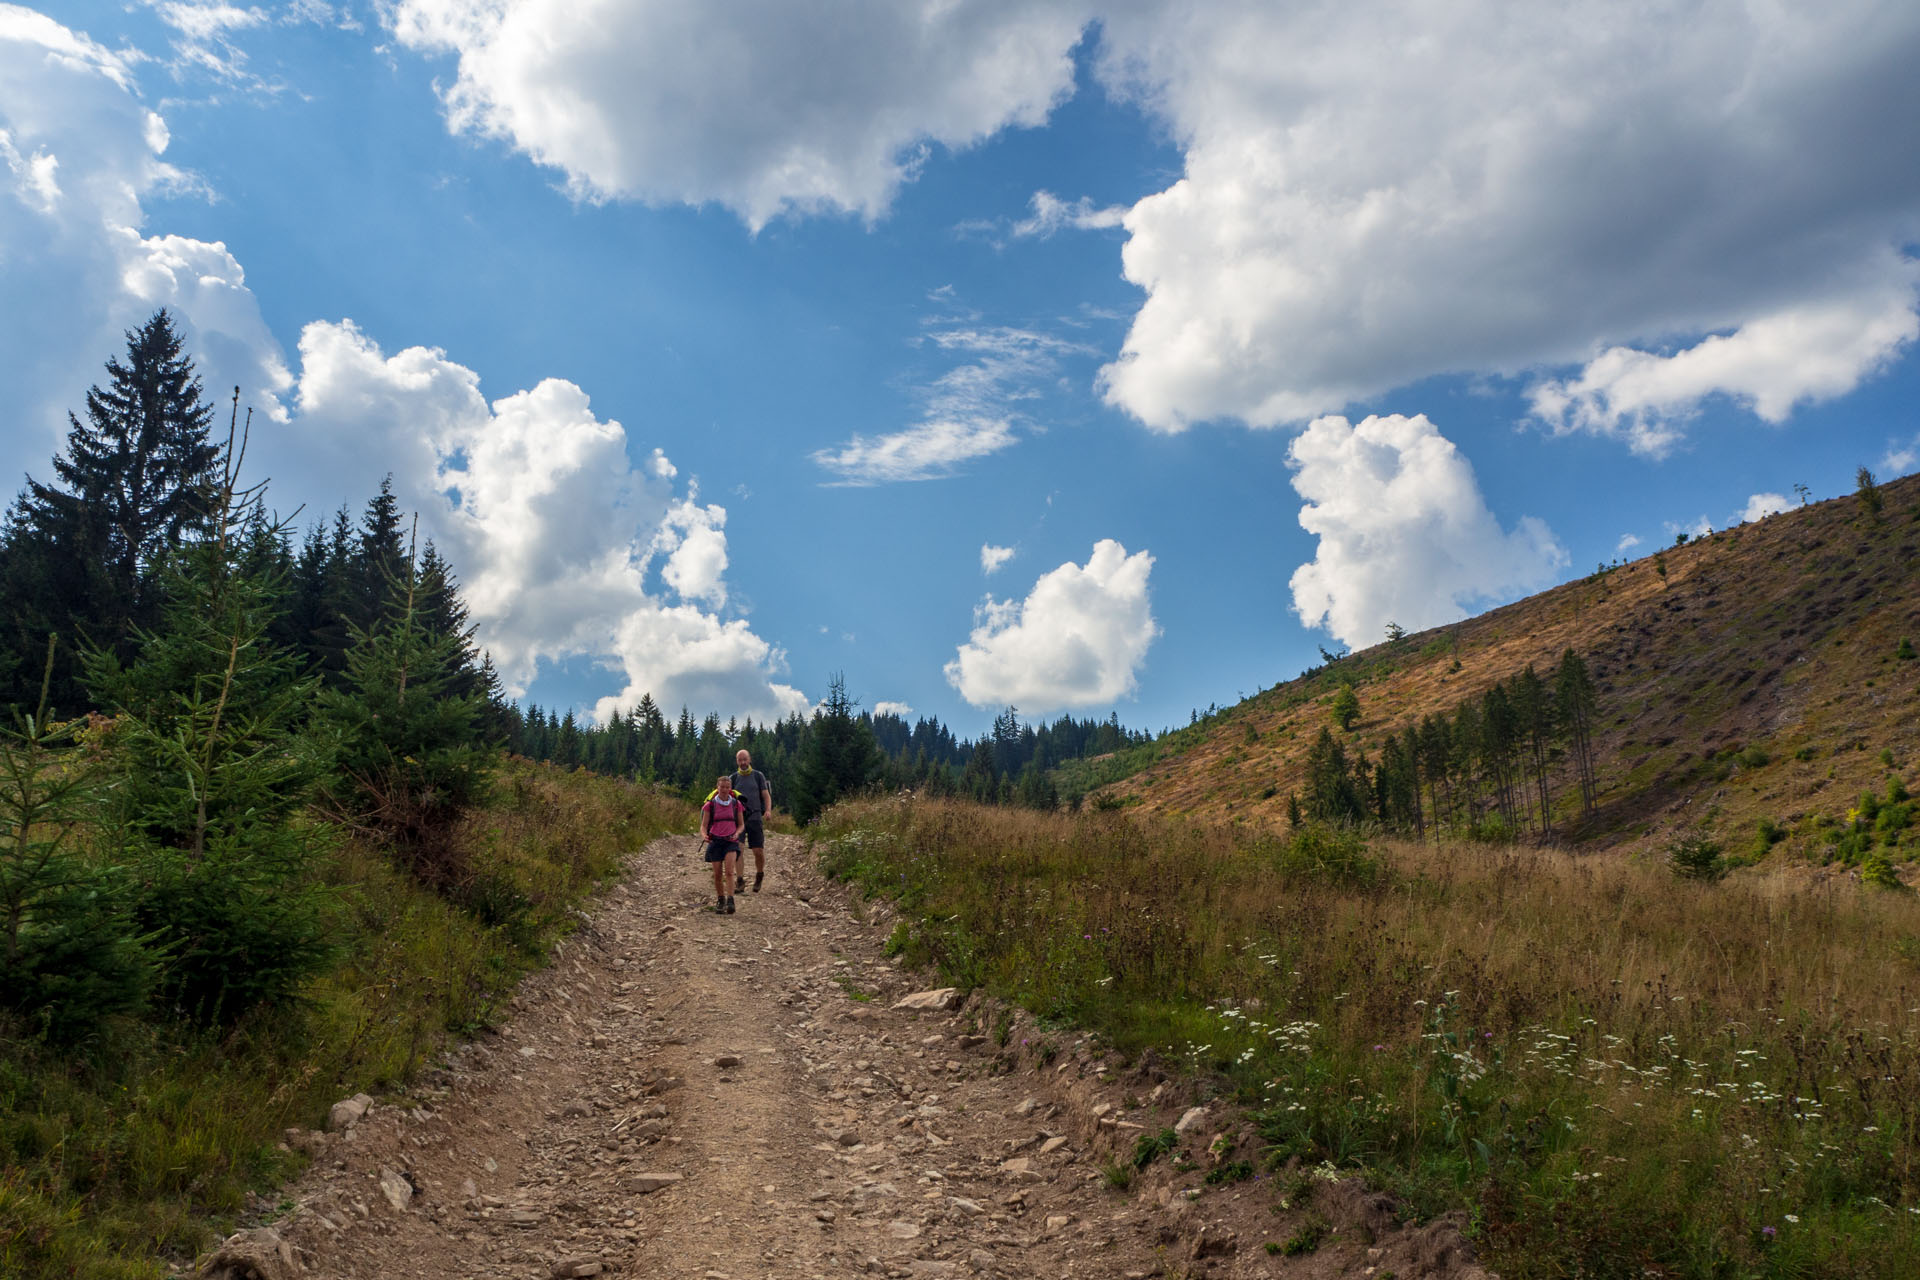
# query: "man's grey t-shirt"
[[752, 788]]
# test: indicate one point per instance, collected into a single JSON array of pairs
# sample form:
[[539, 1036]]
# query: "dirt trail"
[[734, 1097]]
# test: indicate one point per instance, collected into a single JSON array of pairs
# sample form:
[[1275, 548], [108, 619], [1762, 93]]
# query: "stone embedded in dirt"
[[1052, 1145], [346, 1113], [901, 1229], [931, 1268], [1020, 1169], [966, 1208], [1214, 1241], [980, 1260], [309, 1142], [259, 1254], [1055, 1221], [646, 1184], [727, 1060], [397, 1190], [825, 1215], [934, 1001], [1026, 1107], [577, 1267], [1193, 1117], [847, 1138]]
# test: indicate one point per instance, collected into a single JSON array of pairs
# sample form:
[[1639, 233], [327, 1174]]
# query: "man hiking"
[[756, 793], [722, 820]]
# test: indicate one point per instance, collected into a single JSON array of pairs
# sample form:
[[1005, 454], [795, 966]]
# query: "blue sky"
[[718, 342]]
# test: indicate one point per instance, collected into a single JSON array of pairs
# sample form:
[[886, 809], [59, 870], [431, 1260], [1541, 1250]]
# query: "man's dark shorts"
[[756, 833], [717, 850]]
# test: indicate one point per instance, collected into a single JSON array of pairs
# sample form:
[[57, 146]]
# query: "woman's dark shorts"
[[717, 850]]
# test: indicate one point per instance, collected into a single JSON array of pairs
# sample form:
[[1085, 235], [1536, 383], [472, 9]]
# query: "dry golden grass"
[[1614, 1070]]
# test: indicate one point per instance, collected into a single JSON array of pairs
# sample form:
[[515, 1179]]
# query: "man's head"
[[724, 786], [744, 759]]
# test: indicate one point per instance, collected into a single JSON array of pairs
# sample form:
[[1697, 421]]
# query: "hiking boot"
[[739, 884], [758, 876], [720, 906], [729, 904]]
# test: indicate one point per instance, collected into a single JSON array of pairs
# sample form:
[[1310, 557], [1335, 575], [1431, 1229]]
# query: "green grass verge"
[[142, 1147]]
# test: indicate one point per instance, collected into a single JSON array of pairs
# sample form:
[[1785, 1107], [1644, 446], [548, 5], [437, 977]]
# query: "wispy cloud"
[[1900, 458], [1047, 215], [924, 452], [992, 557], [972, 410], [1052, 214]]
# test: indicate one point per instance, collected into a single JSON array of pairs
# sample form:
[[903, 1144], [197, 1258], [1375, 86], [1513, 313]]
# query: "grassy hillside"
[[1607, 1072], [1751, 674]]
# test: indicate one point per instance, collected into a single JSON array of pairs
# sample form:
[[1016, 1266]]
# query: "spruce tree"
[[407, 760], [69, 958], [1333, 793], [212, 773], [981, 777], [839, 758], [135, 479], [1346, 707]]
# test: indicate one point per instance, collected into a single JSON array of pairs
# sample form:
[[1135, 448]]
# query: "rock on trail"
[[766, 1095]]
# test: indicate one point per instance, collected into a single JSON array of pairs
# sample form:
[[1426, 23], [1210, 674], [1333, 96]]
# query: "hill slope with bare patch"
[[1752, 673]]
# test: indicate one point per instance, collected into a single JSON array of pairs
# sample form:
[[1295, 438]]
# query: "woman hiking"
[[722, 818]]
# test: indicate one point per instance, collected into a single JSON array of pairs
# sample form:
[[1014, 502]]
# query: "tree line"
[[1010, 765], [1488, 765]]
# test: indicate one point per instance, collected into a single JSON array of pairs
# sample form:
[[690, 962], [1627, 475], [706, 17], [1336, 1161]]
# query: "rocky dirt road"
[[685, 1094]]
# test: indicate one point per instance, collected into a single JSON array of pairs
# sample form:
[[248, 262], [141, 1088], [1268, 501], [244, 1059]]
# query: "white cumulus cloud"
[[1628, 541], [1900, 458], [1762, 505], [79, 151], [764, 106], [1405, 535], [1772, 365], [554, 530], [1080, 637], [1688, 197], [884, 708], [992, 557]]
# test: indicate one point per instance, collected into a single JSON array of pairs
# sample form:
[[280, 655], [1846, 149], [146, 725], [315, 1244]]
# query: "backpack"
[[723, 816]]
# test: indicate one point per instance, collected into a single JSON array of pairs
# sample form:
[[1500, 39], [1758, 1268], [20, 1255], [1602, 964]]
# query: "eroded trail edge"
[[725, 1097]]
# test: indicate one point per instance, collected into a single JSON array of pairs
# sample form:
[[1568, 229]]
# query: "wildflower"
[[1379, 1048], [1793, 1218], [1768, 1233]]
